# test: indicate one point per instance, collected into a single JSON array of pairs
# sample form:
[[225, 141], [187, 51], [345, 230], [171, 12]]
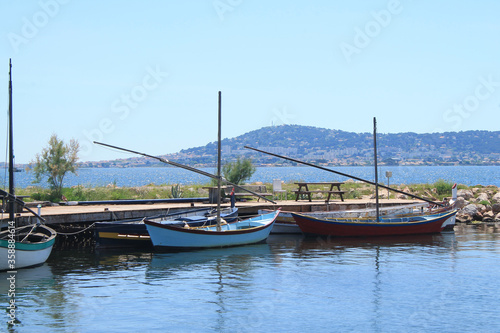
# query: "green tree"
[[55, 161], [238, 171]]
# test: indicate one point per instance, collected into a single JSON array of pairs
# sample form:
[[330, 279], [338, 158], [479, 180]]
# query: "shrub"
[[443, 187], [238, 171]]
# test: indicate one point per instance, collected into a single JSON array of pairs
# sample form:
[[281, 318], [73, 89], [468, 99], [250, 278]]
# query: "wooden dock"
[[67, 214], [74, 223]]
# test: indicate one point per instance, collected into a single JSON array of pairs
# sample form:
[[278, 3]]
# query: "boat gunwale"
[[30, 246]]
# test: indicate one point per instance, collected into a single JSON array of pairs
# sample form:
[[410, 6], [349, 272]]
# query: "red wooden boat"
[[371, 227]]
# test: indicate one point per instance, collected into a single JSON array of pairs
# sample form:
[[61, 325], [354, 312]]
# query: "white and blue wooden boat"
[[27, 246], [254, 230]]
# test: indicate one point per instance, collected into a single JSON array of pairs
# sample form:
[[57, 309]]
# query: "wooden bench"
[[304, 190], [259, 189]]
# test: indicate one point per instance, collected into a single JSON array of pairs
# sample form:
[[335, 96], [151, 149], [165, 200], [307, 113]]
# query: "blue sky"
[[145, 74]]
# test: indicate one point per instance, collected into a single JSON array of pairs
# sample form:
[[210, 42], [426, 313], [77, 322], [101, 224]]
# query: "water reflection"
[[215, 279], [325, 245], [232, 260], [292, 282], [87, 261], [375, 259], [35, 289]]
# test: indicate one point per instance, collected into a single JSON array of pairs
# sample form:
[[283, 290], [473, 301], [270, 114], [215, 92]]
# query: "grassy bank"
[[354, 190]]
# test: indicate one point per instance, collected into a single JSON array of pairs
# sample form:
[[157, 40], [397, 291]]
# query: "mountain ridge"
[[337, 147]]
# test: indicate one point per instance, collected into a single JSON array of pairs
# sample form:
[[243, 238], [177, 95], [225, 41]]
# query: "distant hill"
[[335, 147]]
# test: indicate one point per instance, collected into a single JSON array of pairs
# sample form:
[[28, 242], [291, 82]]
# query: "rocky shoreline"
[[478, 205]]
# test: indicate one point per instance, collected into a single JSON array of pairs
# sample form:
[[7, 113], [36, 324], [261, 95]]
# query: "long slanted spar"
[[345, 175], [182, 166]]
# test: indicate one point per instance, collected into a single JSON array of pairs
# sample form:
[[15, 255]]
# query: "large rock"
[[495, 208], [476, 190], [497, 217], [464, 218], [482, 208], [466, 194], [461, 203], [496, 198], [482, 197], [488, 216], [470, 209]]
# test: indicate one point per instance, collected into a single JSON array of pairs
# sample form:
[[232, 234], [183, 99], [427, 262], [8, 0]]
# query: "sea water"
[[90, 177], [448, 282]]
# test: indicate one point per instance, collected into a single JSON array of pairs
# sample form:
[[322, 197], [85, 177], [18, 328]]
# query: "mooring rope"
[[29, 233], [77, 232]]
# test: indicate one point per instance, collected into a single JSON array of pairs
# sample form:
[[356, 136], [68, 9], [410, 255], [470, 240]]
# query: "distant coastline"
[[141, 176], [114, 164], [119, 164]]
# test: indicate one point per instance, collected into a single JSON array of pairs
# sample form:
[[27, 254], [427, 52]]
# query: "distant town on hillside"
[[337, 148]]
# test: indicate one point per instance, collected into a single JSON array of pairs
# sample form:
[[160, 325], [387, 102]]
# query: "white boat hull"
[[249, 231], [283, 227], [28, 253], [23, 258]]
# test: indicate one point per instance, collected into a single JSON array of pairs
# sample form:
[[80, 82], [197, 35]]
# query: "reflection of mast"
[[376, 291], [220, 297]]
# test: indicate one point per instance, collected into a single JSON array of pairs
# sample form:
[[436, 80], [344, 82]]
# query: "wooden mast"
[[218, 164], [11, 149], [376, 169]]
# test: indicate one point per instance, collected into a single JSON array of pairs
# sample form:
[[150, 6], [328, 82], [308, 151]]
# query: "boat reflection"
[[237, 259], [26, 278], [326, 245]]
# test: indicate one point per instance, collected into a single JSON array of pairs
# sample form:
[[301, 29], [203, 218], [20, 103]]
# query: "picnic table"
[[213, 192], [303, 188]]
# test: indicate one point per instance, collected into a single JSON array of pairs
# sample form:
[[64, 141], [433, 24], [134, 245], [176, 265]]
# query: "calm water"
[[448, 282], [468, 175]]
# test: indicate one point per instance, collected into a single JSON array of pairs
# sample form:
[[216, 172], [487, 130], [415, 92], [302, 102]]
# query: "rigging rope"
[[29, 233]]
